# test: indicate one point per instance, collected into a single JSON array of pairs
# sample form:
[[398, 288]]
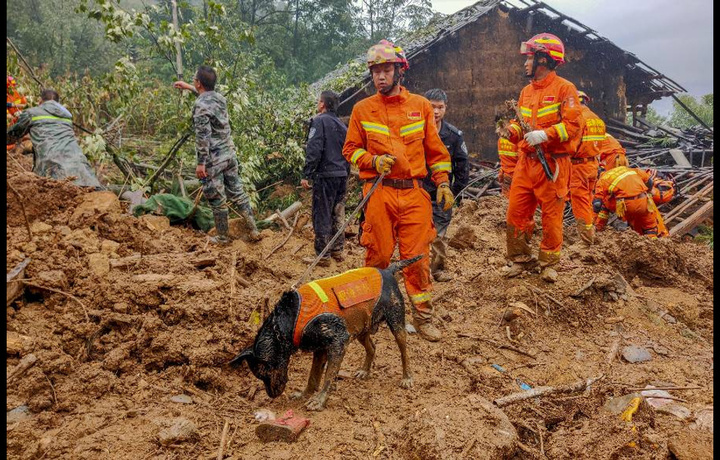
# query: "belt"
[[576, 161], [552, 155], [642, 195], [397, 183]]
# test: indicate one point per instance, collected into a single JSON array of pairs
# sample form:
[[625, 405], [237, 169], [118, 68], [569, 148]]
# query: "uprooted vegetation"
[[122, 314]]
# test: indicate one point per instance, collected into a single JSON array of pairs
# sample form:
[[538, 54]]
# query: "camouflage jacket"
[[57, 153], [213, 139]]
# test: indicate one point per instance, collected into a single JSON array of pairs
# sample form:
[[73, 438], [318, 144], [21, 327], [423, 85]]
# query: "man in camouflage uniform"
[[217, 165], [57, 153], [453, 140]]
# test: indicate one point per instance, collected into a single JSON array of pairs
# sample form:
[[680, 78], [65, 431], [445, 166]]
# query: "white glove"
[[536, 137]]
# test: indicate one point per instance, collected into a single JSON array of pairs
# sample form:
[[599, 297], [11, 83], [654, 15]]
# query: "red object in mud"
[[286, 428]]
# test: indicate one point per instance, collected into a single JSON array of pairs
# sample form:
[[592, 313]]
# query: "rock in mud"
[[549, 275], [55, 279], [464, 238], [470, 427], [616, 405], [180, 430], [101, 202], [40, 227], [99, 264], [691, 445], [704, 420], [182, 399], [635, 354], [156, 223], [19, 414]]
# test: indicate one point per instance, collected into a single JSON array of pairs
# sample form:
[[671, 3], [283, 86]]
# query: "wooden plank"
[[693, 221], [15, 286]]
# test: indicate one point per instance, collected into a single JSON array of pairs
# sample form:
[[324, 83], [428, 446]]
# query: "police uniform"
[[452, 137], [326, 166]]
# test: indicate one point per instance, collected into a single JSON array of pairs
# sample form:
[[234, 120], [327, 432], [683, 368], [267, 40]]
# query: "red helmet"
[[384, 52], [546, 43]]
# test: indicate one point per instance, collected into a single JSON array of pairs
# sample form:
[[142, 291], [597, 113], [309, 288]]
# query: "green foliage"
[[703, 108], [705, 234]]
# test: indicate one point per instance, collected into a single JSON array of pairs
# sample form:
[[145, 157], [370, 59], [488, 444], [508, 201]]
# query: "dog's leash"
[[339, 232]]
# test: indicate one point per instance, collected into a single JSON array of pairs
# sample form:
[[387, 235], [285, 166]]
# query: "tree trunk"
[[178, 55]]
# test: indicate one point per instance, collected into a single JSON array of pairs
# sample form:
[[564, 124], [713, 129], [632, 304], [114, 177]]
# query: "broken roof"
[[642, 79]]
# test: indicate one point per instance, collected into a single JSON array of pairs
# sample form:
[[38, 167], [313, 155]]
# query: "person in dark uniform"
[[326, 166], [453, 140]]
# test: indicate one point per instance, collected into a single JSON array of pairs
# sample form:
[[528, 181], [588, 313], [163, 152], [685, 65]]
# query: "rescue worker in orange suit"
[[508, 154], [612, 154], [550, 105], [394, 132], [584, 171], [663, 189], [454, 142], [15, 103], [626, 192]]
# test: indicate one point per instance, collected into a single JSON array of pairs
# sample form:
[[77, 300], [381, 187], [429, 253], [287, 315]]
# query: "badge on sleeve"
[[311, 133], [463, 147]]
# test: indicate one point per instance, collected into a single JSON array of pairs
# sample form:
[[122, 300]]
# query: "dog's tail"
[[400, 264]]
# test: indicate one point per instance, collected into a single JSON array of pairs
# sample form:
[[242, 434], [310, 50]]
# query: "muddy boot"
[[221, 226], [427, 330], [247, 213]]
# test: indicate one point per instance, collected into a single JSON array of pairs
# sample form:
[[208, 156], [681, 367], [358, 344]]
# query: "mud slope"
[[139, 313]]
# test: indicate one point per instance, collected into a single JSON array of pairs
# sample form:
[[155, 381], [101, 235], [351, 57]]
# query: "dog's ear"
[[246, 354]]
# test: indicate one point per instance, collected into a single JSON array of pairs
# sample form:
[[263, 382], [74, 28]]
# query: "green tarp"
[[177, 209]]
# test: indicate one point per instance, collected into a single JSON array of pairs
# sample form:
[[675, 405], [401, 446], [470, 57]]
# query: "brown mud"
[[157, 312]]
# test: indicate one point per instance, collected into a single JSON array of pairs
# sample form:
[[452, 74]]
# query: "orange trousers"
[[583, 177], [403, 216], [640, 218], [531, 187], [505, 183]]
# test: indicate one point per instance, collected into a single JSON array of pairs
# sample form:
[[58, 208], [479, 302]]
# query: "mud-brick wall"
[[480, 67]]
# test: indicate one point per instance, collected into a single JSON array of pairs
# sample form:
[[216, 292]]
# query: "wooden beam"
[[693, 221]]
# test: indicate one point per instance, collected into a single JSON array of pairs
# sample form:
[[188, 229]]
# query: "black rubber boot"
[[221, 226], [247, 213]]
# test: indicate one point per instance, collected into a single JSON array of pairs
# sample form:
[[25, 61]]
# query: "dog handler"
[[394, 132]]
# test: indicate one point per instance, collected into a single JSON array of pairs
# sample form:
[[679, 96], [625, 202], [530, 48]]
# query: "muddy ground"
[[140, 313]]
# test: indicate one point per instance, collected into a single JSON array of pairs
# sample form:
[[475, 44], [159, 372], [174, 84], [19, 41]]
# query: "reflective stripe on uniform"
[[525, 111], [507, 153], [562, 132], [619, 178], [319, 291], [554, 108], [50, 117], [375, 127], [357, 154], [420, 298], [516, 128], [412, 128], [442, 166], [593, 138], [603, 215]]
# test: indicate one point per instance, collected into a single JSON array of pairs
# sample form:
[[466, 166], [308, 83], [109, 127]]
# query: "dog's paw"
[[362, 374], [407, 383], [316, 403]]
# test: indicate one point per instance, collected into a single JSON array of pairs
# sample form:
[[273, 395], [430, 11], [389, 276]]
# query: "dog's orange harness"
[[354, 292]]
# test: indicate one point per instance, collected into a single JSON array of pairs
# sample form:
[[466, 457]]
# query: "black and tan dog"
[[323, 316]]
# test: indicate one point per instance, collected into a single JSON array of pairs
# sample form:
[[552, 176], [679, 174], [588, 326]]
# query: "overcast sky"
[[673, 37]]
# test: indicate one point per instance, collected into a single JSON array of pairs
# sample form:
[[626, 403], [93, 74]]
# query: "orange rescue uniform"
[[355, 292], [508, 154], [584, 173], [400, 209], [551, 104], [612, 154], [624, 191], [11, 112]]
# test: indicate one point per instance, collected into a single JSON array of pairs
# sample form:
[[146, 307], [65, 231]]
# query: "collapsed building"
[[473, 55]]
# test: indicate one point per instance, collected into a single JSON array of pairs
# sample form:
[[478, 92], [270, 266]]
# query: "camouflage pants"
[[223, 186]]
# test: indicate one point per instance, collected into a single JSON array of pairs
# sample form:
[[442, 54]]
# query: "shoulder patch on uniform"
[[414, 115], [312, 132], [463, 147], [548, 99]]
